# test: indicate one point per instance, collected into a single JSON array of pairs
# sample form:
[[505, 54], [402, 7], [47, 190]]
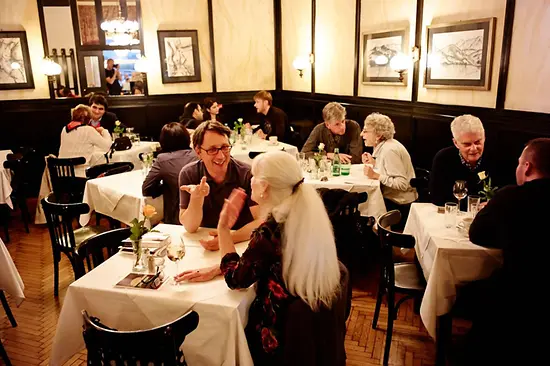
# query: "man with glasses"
[[205, 184]]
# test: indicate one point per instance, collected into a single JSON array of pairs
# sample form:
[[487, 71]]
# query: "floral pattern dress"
[[262, 263]]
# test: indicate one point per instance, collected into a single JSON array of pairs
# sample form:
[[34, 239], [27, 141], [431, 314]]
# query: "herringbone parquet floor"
[[30, 342]]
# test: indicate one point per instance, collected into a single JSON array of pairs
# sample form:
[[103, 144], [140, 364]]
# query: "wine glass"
[[460, 191], [175, 252]]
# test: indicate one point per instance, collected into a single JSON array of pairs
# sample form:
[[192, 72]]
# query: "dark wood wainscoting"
[[422, 127]]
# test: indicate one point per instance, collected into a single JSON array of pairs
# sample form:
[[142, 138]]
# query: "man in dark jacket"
[[464, 161], [192, 115], [100, 116], [506, 315], [273, 120]]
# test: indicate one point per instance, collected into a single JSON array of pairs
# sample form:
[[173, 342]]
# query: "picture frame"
[[386, 44], [15, 68], [460, 55], [179, 56]]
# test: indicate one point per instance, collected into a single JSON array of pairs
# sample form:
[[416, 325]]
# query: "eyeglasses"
[[214, 150]]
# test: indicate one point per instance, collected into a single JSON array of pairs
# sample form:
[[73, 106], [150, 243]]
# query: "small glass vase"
[[138, 256]]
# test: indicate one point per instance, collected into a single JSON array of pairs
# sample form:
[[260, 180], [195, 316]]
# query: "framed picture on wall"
[[460, 55], [15, 63], [179, 56], [378, 50]]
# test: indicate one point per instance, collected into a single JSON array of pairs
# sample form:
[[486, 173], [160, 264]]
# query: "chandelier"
[[122, 31]]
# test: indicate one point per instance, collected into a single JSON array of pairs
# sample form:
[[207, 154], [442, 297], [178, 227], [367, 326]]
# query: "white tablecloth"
[[131, 155], [10, 280], [5, 180], [448, 259], [119, 196], [259, 145], [219, 338], [356, 182]]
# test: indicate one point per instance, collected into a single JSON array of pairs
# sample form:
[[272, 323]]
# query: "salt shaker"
[[151, 264]]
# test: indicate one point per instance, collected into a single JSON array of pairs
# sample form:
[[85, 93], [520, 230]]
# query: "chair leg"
[[4, 355], [55, 276], [25, 215], [389, 331], [7, 309], [381, 291], [7, 232]]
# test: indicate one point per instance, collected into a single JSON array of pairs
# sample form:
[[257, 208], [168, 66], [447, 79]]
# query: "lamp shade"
[[300, 63], [400, 62], [381, 60], [49, 67]]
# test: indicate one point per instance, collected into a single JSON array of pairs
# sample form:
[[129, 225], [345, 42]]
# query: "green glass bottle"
[[336, 163]]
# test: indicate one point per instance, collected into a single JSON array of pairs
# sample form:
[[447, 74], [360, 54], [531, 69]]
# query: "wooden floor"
[[30, 342]]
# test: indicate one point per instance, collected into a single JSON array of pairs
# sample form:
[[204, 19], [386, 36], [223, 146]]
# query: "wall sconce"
[[401, 63], [51, 69], [301, 63]]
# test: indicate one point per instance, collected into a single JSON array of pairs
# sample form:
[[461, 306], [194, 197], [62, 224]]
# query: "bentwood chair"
[[421, 182], [20, 166], [60, 216], [157, 346], [98, 248], [64, 180], [403, 278]]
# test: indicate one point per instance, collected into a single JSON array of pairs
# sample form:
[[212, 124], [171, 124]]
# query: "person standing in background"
[[113, 77]]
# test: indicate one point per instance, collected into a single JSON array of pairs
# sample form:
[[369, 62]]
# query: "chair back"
[[343, 210], [95, 250], [390, 239], [422, 183], [20, 163], [316, 338], [63, 176], [59, 217], [157, 346], [103, 170]]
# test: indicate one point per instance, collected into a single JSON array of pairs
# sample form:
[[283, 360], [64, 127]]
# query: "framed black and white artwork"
[[460, 55], [378, 50], [15, 63], [179, 56]]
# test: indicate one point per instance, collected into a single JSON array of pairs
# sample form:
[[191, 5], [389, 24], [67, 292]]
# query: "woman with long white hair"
[[291, 255]]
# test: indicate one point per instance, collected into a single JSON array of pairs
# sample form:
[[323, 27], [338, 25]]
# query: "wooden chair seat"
[[407, 276], [86, 232]]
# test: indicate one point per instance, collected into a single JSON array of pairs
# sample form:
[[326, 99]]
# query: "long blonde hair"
[[310, 263]]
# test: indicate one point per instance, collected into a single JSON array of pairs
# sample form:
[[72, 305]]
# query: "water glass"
[[137, 139], [345, 168], [473, 205], [451, 209]]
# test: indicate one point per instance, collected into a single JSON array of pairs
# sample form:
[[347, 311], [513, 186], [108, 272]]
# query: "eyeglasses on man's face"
[[214, 150]]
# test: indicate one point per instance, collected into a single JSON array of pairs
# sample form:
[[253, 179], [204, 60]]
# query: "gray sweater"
[[350, 143]]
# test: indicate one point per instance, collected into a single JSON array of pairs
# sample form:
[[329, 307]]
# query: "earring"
[[261, 195]]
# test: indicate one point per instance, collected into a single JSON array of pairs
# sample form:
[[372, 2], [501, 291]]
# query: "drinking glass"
[[175, 252], [137, 139], [460, 191], [451, 209], [345, 168], [473, 205]]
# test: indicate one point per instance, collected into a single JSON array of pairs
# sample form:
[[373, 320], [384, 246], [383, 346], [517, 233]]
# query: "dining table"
[[219, 338], [130, 155], [356, 181], [247, 152], [5, 180], [10, 280], [120, 197], [448, 260]]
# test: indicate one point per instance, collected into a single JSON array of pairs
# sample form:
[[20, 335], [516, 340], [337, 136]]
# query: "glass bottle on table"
[[460, 191], [336, 163]]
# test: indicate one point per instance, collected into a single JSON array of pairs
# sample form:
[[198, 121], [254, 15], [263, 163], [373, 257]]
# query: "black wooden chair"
[[421, 182], [3, 353], [60, 215], [104, 170], [5, 215], [395, 278], [19, 164], [98, 248], [316, 338], [157, 346], [63, 178]]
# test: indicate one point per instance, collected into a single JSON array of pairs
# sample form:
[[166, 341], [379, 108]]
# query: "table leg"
[[443, 338]]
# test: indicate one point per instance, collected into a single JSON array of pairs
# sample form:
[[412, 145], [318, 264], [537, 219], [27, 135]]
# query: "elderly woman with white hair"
[[390, 163], [450, 165], [291, 255]]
